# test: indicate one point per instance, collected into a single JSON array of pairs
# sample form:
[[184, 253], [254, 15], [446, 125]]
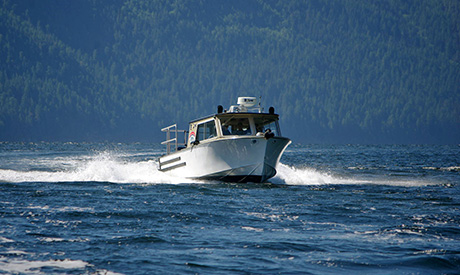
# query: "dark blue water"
[[73, 208]]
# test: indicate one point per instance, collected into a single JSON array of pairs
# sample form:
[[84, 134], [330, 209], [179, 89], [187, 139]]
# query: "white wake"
[[105, 167], [308, 176], [110, 167]]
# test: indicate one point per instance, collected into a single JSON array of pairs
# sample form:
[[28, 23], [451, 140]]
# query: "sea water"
[[86, 208]]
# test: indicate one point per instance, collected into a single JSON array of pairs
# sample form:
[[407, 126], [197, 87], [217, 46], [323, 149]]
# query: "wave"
[[308, 176], [303, 176], [110, 167], [105, 167], [17, 266], [450, 168], [23, 266]]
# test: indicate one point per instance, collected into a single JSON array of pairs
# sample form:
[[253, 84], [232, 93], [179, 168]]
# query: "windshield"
[[263, 124], [252, 125], [236, 126]]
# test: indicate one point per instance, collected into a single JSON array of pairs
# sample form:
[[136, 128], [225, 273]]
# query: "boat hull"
[[237, 159]]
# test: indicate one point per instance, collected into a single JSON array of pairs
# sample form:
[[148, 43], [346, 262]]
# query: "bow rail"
[[172, 138]]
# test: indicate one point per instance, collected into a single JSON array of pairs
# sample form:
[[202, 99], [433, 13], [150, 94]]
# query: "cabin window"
[[236, 126], [206, 130], [263, 125]]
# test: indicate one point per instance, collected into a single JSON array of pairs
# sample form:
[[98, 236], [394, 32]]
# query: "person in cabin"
[[225, 130], [239, 130]]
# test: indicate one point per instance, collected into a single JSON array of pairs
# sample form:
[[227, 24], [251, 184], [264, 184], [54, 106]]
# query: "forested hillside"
[[337, 71]]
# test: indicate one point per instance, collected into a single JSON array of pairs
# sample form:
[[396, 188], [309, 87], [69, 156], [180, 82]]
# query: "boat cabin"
[[232, 125], [242, 120]]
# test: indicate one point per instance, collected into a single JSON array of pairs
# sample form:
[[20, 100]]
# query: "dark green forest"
[[337, 71]]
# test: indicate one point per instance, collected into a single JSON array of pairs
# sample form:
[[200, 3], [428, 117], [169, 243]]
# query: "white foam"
[[5, 240], [116, 168], [451, 168], [101, 168], [303, 176], [20, 266], [307, 176], [50, 240], [23, 266], [249, 228]]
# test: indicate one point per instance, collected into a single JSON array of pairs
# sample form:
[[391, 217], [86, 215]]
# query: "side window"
[[206, 130]]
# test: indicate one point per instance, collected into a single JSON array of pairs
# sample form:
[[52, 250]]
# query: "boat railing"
[[172, 143]]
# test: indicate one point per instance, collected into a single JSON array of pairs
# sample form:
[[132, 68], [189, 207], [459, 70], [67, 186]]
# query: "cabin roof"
[[234, 114]]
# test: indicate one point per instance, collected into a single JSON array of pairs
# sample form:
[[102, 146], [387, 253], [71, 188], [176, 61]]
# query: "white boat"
[[243, 144]]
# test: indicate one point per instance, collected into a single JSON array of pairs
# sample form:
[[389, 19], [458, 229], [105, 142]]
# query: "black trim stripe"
[[173, 167], [169, 161]]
